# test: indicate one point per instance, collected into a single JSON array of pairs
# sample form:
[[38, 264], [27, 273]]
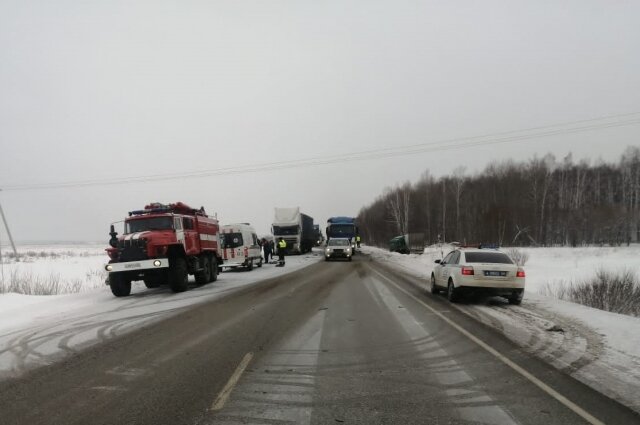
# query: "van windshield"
[[231, 240]]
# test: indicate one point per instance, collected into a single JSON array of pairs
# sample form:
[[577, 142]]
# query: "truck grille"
[[132, 249], [290, 242]]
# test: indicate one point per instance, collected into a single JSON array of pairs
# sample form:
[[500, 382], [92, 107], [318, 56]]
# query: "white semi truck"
[[295, 228]]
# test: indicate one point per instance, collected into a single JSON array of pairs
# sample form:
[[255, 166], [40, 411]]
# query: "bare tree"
[[458, 183], [540, 201], [399, 203]]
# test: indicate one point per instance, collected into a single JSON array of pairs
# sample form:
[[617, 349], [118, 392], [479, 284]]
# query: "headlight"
[[108, 267], [328, 250], [353, 245], [348, 249], [157, 263]]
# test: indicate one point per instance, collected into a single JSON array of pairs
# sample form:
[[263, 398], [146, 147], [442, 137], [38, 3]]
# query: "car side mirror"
[[438, 262]]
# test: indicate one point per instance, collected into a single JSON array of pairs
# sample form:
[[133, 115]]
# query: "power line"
[[438, 146]]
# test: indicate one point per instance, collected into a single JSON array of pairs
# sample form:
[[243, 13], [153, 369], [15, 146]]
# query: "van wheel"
[[178, 275], [250, 265], [204, 276], [120, 284], [260, 263]]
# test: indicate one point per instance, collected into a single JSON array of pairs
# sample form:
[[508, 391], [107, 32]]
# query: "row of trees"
[[540, 202]]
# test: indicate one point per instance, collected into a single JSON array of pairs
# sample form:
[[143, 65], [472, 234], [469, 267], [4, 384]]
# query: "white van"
[[240, 248]]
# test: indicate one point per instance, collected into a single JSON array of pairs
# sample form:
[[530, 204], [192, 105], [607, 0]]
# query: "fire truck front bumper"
[[129, 266]]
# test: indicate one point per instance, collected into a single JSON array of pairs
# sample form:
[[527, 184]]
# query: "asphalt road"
[[339, 342]]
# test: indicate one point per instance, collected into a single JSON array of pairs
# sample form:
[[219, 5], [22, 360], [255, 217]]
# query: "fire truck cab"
[[164, 244]]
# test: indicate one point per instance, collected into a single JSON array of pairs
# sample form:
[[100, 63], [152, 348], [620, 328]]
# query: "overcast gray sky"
[[116, 89]]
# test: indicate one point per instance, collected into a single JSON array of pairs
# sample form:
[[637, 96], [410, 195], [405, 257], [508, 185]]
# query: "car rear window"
[[487, 257]]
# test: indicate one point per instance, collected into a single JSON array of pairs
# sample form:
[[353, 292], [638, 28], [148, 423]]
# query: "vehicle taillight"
[[520, 273], [467, 271]]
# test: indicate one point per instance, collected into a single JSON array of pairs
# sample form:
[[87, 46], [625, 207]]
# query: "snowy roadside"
[[38, 330], [598, 348]]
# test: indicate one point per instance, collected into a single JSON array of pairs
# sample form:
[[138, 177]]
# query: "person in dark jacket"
[[266, 247]]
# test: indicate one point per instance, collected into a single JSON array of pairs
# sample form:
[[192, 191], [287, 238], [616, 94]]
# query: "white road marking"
[[453, 375], [281, 385], [537, 382], [226, 391]]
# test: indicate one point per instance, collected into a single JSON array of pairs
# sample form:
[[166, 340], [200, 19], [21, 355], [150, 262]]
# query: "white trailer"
[[295, 228]]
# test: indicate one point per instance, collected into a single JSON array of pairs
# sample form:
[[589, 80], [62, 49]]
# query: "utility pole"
[[6, 226]]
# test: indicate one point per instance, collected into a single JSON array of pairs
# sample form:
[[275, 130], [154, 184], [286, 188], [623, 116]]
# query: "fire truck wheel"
[[204, 276], [214, 269], [178, 275], [120, 284]]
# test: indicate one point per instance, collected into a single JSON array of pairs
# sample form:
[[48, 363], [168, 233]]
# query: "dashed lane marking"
[[222, 398]]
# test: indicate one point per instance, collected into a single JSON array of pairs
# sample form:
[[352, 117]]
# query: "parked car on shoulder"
[[338, 248], [489, 271]]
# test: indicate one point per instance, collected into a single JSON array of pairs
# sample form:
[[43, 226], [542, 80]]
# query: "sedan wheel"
[[434, 288], [452, 292]]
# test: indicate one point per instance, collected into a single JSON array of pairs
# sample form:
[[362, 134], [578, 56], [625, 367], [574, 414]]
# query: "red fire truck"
[[164, 244]]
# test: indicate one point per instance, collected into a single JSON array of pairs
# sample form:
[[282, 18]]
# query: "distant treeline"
[[540, 202]]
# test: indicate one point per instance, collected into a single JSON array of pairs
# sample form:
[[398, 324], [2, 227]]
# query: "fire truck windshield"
[[150, 223]]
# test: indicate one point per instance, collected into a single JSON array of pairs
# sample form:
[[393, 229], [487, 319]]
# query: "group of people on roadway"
[[268, 248]]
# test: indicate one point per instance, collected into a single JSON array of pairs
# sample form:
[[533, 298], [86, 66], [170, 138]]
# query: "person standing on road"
[[266, 246], [282, 247], [358, 241]]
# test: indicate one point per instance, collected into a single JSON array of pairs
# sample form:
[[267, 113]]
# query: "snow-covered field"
[[599, 348], [37, 330], [76, 268]]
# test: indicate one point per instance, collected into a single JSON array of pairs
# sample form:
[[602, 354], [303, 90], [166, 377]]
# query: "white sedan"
[[338, 248], [489, 271]]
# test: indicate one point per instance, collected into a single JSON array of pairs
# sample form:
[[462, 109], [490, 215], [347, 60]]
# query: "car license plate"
[[492, 273]]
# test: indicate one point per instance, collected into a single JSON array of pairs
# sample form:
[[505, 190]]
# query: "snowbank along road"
[[343, 342]]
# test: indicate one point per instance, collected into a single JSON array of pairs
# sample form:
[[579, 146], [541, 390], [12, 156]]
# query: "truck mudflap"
[[127, 266]]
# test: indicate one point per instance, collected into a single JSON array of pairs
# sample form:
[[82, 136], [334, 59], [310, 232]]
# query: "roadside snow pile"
[[616, 291], [556, 266]]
